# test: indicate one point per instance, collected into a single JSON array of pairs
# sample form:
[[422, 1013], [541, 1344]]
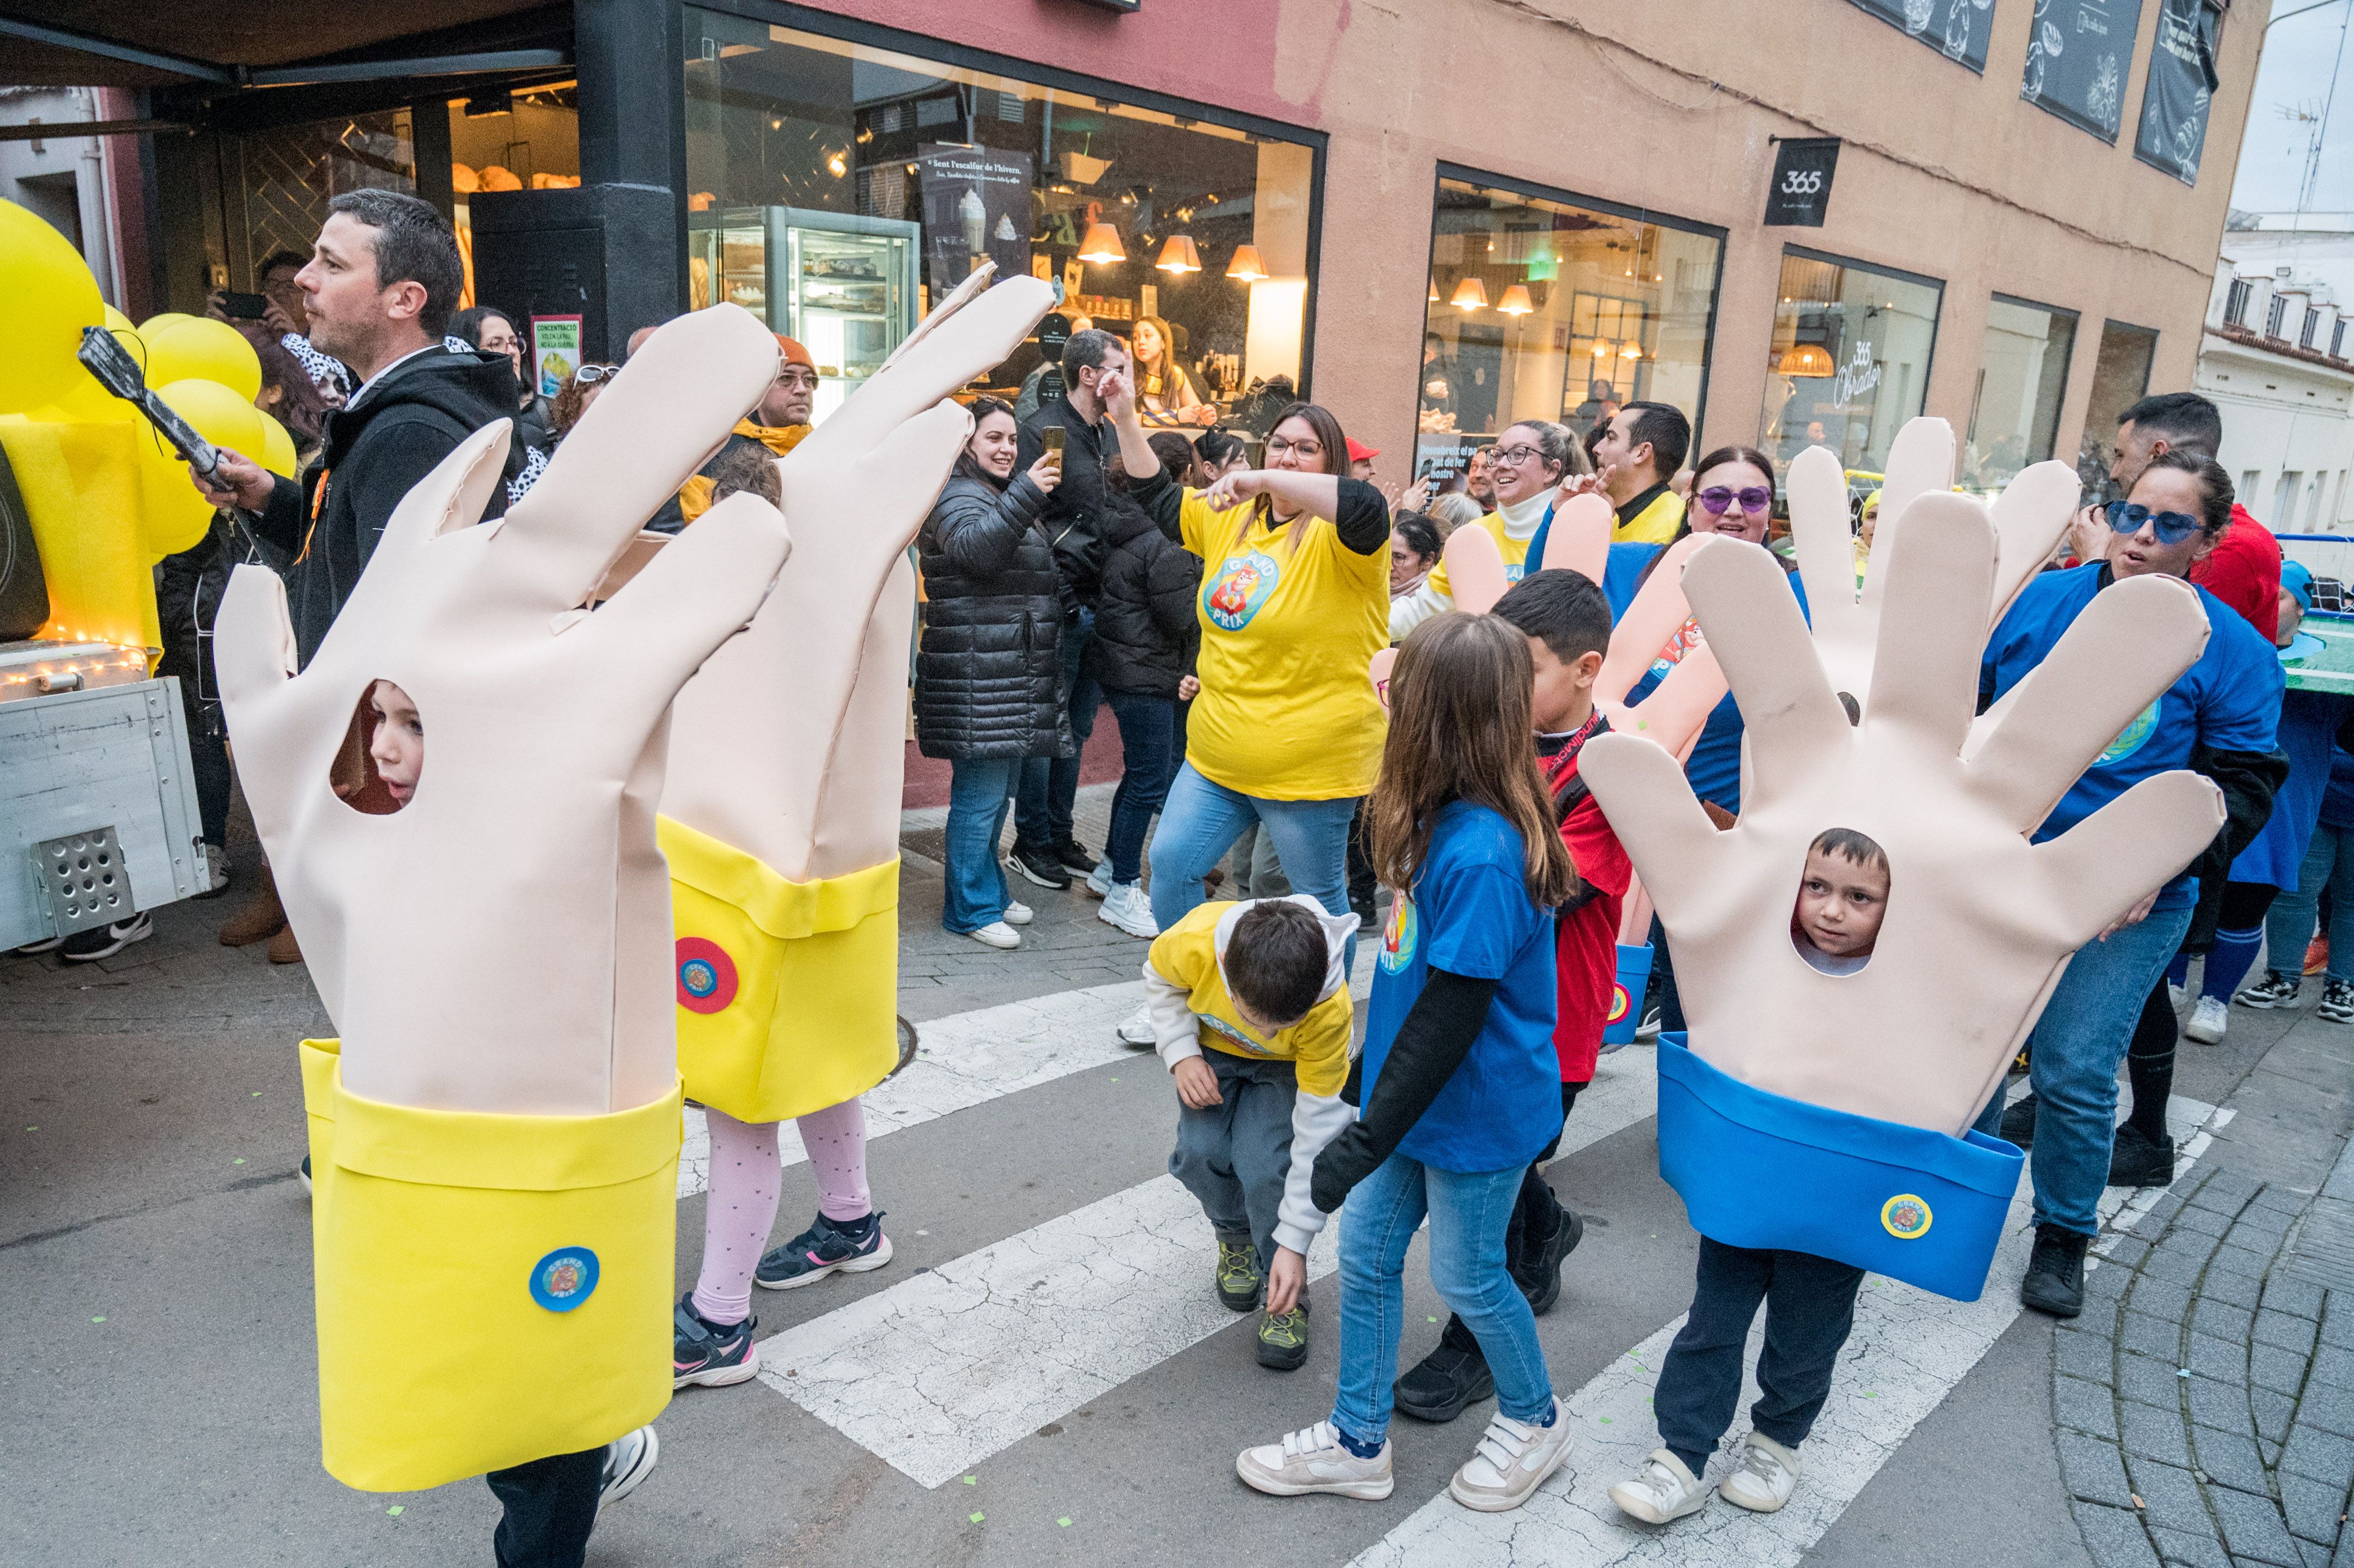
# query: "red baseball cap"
[[1360, 452]]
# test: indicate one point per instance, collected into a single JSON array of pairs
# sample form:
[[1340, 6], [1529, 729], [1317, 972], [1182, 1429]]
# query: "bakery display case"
[[841, 285]]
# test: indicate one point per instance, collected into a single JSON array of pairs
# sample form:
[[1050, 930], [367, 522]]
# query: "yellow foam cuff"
[[438, 1359], [813, 980]]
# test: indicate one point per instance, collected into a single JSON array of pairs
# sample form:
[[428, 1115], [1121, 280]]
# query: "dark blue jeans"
[[1041, 804], [1810, 1311], [551, 1507], [1148, 752]]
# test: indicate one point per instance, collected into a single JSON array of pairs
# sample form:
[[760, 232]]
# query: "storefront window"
[[526, 139], [2023, 377], [1849, 360], [1544, 308], [2120, 379], [837, 189]]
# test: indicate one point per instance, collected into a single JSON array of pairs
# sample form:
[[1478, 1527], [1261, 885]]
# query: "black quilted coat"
[[1145, 628], [990, 663]]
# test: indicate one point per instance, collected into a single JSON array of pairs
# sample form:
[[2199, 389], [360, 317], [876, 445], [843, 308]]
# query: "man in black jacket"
[[1044, 850]]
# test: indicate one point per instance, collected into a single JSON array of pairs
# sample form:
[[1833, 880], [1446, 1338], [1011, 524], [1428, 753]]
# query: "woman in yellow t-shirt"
[[1294, 603]]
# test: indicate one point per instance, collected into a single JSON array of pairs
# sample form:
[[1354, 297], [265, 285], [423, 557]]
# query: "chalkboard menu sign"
[[1955, 29], [2077, 56], [2181, 85]]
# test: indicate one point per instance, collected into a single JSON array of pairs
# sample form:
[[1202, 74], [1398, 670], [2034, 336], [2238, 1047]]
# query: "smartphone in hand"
[[243, 307], [1054, 436]]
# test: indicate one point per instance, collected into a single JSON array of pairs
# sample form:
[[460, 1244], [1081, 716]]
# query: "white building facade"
[[2274, 360]]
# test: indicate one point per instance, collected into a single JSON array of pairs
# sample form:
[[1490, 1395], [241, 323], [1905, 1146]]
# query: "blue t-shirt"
[[2230, 700], [1714, 770], [1470, 914], [2309, 726]]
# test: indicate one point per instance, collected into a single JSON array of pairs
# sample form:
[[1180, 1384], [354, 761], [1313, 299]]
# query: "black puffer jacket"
[[988, 668], [1145, 631]]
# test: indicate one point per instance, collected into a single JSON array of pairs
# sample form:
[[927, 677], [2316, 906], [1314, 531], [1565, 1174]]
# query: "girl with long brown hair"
[[1460, 1075]]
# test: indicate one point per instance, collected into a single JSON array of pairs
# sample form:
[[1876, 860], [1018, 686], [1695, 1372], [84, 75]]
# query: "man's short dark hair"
[[1566, 610], [2185, 422], [1086, 351], [412, 245], [277, 258], [1277, 960], [1664, 426]]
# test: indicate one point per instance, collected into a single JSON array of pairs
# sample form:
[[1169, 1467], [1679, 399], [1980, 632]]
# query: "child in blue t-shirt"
[[1461, 1084]]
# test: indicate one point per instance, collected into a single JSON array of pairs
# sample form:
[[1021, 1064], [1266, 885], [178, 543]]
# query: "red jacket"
[[2243, 571], [1585, 945]]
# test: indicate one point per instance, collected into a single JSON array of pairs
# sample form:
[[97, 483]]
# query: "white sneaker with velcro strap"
[[1513, 1460], [1313, 1460]]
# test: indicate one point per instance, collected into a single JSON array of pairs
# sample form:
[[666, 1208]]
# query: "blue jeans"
[[1467, 1217], [2072, 1058], [1042, 805], [2328, 862], [980, 790], [1147, 750], [1201, 820]]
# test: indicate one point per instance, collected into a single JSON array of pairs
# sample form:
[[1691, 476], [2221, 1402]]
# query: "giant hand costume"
[[494, 1147], [1849, 1095], [780, 818]]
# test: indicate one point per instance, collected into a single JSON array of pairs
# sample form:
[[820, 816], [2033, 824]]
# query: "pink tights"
[[746, 1179]]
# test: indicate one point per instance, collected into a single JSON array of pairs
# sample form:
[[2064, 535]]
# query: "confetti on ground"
[[237, 1162], [972, 1481], [393, 1510], [2182, 1372], [97, 1319], [1639, 1365], [257, 1094], [1066, 1523], [976, 1518], [1430, 1319], [1606, 1420]]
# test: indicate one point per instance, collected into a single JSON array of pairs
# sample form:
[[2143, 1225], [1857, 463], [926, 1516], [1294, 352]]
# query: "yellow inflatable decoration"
[[49, 297], [173, 516], [152, 327], [278, 453], [204, 350], [80, 485], [116, 322]]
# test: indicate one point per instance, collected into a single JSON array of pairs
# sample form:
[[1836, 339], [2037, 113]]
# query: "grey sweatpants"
[[1234, 1156]]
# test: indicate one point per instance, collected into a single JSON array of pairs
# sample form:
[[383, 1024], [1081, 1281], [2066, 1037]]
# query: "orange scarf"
[[694, 495]]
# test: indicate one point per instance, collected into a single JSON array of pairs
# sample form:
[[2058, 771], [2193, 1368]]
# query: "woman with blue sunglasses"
[[2219, 719]]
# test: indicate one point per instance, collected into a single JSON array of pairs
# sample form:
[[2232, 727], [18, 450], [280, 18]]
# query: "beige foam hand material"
[[1979, 922], [503, 942], [765, 751]]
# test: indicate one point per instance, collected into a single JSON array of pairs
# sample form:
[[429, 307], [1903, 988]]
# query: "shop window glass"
[[836, 189], [2120, 379], [285, 176], [2023, 377], [526, 140], [1544, 308], [1849, 362]]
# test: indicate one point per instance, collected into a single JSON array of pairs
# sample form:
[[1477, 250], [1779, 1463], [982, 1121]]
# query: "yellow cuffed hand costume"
[[494, 1138]]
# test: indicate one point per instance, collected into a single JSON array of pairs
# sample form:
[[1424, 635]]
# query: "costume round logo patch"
[[1906, 1217], [564, 1279], [1618, 1005], [1239, 589], [2131, 738], [1398, 936], [706, 975]]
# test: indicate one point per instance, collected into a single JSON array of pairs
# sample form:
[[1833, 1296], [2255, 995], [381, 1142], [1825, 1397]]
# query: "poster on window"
[[555, 352], [976, 204], [2181, 86], [1957, 29], [2077, 55]]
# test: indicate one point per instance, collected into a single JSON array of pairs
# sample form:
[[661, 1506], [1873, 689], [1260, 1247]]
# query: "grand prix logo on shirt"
[[1227, 1031], [1238, 590], [1398, 936], [2132, 737]]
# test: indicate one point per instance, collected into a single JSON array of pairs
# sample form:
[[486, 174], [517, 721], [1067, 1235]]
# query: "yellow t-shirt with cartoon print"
[[1515, 552], [1187, 955], [1287, 711]]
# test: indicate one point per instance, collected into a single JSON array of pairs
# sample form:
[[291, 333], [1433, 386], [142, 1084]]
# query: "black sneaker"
[[1283, 1338], [105, 941], [1237, 1278], [2136, 1161], [1539, 1275], [1037, 865], [712, 1354], [828, 1246], [2019, 1122], [2056, 1272], [1073, 857], [1447, 1379]]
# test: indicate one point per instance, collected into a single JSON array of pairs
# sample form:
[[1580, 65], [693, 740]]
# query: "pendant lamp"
[[1516, 301], [1102, 244], [1805, 359], [1179, 255], [1247, 264], [1470, 295]]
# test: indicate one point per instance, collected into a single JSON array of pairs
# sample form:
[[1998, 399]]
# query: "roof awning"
[[235, 46]]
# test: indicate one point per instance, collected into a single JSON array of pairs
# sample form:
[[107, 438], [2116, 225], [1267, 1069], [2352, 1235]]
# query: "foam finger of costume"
[[977, 338], [1920, 462], [702, 589], [652, 425], [1654, 627], [1383, 663], [2118, 659], [1936, 581], [1579, 539], [1475, 570], [2030, 516], [1754, 624], [1679, 706], [1815, 487], [977, 279], [1652, 807], [857, 823], [2102, 866]]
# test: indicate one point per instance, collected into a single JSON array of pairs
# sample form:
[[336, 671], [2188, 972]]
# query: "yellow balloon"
[[219, 415], [117, 322], [86, 400], [50, 297], [278, 453], [157, 323], [172, 514], [204, 350]]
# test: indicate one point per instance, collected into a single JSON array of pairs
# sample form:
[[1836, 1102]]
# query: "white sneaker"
[[1763, 1479], [1126, 908], [2175, 994], [1663, 1490], [1099, 879], [629, 1461], [1018, 913], [2209, 1020], [1136, 1030], [997, 933], [1512, 1462], [1312, 1460]]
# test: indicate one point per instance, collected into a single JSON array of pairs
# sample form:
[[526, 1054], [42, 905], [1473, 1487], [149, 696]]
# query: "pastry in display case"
[[841, 285]]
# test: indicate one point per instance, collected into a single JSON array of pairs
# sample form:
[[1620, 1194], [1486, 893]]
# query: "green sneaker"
[[1283, 1338], [1238, 1277]]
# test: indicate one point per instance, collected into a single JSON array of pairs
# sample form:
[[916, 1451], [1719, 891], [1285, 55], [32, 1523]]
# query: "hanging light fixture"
[[1102, 244], [1470, 295], [1600, 348], [1630, 349], [1516, 301], [1247, 264], [1805, 359], [1179, 255]]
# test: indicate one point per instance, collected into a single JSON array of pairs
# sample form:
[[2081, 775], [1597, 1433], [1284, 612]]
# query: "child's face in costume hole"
[[399, 745], [1841, 904]]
